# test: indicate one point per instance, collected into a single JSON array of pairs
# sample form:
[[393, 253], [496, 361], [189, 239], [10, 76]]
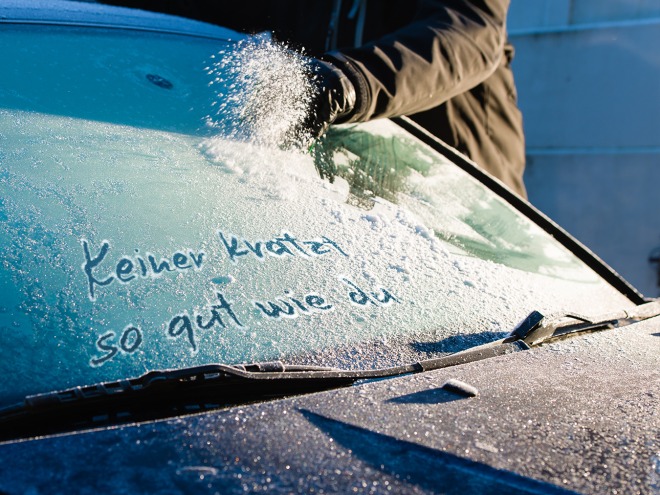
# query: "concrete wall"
[[540, 14], [588, 75]]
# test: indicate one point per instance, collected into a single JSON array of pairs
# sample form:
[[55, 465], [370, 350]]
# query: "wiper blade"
[[157, 395]]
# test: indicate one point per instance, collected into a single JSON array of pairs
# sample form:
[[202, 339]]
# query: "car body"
[[416, 327]]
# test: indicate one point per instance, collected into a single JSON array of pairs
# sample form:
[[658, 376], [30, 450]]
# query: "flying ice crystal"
[[263, 93]]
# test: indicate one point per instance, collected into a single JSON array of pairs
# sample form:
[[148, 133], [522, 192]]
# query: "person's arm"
[[452, 46]]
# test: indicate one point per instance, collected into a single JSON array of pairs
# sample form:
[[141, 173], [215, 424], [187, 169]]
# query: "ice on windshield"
[[131, 245]]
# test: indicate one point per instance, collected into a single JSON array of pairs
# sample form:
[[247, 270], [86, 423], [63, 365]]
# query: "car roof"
[[92, 14]]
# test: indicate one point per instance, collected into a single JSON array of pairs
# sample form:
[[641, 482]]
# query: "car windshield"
[[135, 236]]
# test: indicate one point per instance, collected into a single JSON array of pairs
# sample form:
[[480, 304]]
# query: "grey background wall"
[[588, 75]]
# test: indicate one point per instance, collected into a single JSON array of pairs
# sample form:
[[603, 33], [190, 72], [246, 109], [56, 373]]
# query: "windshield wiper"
[[168, 393], [162, 394]]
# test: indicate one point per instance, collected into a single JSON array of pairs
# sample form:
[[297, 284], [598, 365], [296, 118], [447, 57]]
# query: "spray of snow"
[[263, 93]]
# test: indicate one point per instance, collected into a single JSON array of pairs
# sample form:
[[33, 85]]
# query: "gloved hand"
[[333, 100]]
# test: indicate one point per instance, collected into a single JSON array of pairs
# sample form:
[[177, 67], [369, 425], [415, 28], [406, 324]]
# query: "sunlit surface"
[[133, 238]]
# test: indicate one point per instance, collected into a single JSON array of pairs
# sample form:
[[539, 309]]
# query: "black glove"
[[333, 100]]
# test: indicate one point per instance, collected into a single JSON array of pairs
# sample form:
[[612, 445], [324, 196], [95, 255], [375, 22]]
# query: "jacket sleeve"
[[450, 47]]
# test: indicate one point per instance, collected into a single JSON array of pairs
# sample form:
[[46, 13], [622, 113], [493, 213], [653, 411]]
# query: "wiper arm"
[[538, 329]]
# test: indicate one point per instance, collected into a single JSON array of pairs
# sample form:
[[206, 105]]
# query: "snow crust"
[[167, 194]]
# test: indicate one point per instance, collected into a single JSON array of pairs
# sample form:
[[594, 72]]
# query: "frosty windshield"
[[135, 236]]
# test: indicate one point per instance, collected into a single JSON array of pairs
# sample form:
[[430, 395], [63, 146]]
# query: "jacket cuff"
[[362, 92]]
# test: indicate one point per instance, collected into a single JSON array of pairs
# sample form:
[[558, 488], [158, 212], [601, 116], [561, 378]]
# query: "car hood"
[[579, 415]]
